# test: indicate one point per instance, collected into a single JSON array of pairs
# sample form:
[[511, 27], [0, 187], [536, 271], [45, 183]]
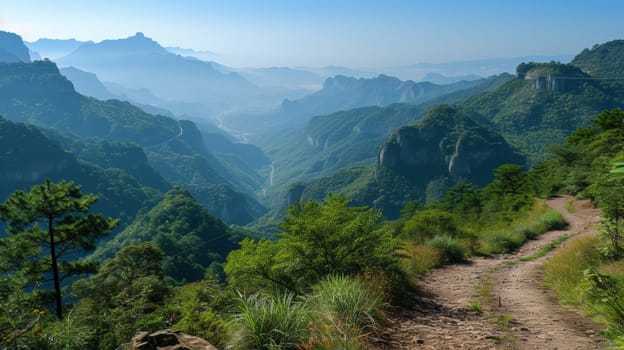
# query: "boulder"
[[168, 339]]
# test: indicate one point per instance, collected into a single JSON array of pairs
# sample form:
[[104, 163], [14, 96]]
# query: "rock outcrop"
[[169, 340], [446, 143]]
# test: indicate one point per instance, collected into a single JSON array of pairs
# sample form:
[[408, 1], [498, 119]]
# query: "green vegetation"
[[319, 240], [546, 249], [602, 61], [37, 93], [533, 117], [46, 225], [194, 241]]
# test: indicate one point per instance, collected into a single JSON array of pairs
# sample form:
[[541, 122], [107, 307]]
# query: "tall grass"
[[344, 311], [420, 258], [563, 272], [511, 238], [272, 323]]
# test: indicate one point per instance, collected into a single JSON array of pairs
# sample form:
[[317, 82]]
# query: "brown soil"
[[518, 313]]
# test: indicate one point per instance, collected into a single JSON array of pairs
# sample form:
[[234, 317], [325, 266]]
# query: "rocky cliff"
[[446, 143]]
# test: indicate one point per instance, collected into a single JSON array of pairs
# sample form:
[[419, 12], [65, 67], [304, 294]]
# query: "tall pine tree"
[[51, 223]]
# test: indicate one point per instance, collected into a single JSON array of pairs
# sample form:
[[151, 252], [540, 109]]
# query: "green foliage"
[[200, 309], [475, 307], [603, 61], [348, 301], [67, 228], [318, 240], [121, 298], [344, 312], [428, 223], [533, 118], [190, 237], [604, 294], [272, 323]]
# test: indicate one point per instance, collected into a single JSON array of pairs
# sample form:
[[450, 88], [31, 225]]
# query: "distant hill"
[[442, 79], [87, 83], [54, 48], [604, 61], [140, 62], [343, 93], [12, 48], [418, 162], [283, 76]]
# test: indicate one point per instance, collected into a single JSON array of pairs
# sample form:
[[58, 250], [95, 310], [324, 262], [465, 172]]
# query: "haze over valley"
[[311, 176]]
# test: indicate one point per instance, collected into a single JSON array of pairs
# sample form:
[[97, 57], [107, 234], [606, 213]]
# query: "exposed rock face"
[[552, 76], [169, 340], [446, 143], [12, 48]]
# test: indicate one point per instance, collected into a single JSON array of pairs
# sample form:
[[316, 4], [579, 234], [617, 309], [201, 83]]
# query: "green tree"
[[319, 239], [52, 220]]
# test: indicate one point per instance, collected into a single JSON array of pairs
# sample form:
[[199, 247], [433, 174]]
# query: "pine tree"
[[51, 224]]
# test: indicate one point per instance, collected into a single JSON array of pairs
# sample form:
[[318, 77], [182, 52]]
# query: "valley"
[[152, 186]]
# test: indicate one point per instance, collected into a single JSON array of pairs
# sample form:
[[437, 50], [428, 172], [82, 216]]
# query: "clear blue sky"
[[355, 33]]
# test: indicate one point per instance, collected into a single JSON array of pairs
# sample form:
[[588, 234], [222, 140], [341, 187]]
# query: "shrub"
[[450, 249]]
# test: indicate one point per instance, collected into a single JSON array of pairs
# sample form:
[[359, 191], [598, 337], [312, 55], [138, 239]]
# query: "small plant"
[[475, 306]]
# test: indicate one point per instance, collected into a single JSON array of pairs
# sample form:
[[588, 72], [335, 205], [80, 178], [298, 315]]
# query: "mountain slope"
[[604, 61], [544, 104], [37, 93], [29, 157], [419, 162], [191, 238], [12, 48], [87, 83]]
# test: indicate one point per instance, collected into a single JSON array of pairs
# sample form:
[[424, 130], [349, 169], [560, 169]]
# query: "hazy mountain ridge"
[[12, 48]]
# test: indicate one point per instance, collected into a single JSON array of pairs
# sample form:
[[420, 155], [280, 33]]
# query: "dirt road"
[[518, 313]]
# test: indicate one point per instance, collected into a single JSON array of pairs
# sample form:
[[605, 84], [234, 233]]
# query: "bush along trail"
[[499, 302]]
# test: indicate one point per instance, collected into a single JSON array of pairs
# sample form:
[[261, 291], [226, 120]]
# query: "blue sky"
[[351, 33]]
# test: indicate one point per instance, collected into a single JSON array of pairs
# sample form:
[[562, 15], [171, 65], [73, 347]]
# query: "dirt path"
[[518, 312]]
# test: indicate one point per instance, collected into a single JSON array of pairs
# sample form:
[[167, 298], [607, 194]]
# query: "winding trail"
[[518, 312]]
